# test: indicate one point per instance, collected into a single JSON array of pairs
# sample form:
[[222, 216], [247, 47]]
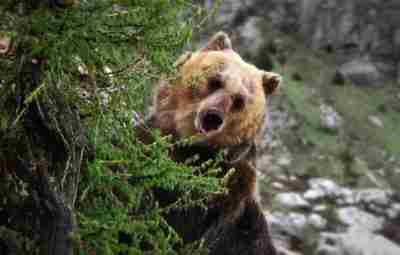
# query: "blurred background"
[[329, 162]]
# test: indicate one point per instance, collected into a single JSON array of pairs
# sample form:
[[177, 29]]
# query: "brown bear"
[[219, 100]]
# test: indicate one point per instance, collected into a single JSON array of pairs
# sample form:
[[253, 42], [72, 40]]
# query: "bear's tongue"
[[211, 121]]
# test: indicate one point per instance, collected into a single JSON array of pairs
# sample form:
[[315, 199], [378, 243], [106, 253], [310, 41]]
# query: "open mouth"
[[211, 121]]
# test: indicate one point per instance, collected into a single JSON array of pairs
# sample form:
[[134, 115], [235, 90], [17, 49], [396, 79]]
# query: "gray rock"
[[291, 200], [287, 225], [394, 211], [376, 121], [284, 160], [284, 251], [373, 179], [320, 208], [330, 119], [347, 196], [328, 187], [317, 221], [324, 188], [361, 72], [291, 224], [314, 194], [278, 185], [377, 197], [355, 243], [356, 218]]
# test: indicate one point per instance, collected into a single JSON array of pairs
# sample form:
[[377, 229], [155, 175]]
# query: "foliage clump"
[[72, 82]]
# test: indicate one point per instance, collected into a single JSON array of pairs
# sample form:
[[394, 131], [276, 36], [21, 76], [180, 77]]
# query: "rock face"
[[343, 221], [364, 35], [362, 31]]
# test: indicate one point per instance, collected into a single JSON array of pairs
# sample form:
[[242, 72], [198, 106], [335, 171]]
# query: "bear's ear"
[[183, 59], [220, 41], [271, 82]]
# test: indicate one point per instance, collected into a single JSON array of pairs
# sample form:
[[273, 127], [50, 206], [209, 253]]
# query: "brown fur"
[[220, 100]]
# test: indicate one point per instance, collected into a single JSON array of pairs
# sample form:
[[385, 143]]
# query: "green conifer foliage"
[[73, 74]]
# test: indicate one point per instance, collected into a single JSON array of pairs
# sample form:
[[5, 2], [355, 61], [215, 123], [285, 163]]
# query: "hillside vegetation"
[[354, 147]]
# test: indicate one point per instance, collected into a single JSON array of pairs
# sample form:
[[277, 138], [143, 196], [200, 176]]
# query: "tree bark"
[[41, 153]]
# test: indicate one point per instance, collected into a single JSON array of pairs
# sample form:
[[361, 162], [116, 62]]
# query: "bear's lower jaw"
[[210, 122]]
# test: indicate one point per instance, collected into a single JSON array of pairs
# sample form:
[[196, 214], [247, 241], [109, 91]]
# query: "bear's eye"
[[238, 103], [215, 83]]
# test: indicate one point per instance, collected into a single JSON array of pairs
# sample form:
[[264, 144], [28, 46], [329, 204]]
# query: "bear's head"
[[216, 96]]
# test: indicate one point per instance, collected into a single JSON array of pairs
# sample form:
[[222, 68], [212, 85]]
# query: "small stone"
[[373, 196], [104, 97], [284, 161], [284, 251], [392, 214], [374, 120], [291, 200], [356, 218], [313, 194], [317, 221], [373, 180], [107, 70], [292, 224], [394, 211], [83, 70], [375, 209], [396, 207], [282, 177], [361, 72], [347, 196], [330, 119], [320, 208], [278, 185], [328, 187]]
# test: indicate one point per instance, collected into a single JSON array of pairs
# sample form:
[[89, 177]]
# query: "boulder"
[[356, 218], [291, 200], [361, 72], [357, 242], [291, 224], [324, 186]]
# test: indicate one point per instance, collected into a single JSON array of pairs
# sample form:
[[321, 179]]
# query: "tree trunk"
[[41, 156]]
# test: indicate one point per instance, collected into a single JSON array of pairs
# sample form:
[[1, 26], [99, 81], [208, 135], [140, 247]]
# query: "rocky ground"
[[329, 162]]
